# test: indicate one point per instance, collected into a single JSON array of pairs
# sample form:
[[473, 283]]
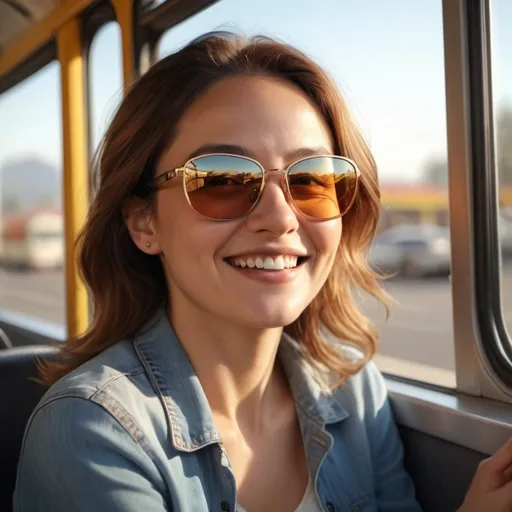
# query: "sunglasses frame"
[[173, 173]]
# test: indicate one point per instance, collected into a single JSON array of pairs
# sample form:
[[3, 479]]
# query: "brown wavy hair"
[[129, 286]]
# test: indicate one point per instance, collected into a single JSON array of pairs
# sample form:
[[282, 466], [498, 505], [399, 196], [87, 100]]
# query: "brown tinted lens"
[[223, 187], [322, 187]]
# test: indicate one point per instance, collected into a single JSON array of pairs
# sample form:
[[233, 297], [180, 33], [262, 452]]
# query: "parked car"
[[412, 250]]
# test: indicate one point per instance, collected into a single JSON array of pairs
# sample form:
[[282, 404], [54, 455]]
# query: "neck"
[[235, 364]]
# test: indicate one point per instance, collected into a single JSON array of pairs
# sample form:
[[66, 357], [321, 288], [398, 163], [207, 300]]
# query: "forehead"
[[269, 117]]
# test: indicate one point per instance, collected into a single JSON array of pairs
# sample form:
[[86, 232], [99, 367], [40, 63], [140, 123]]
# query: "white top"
[[309, 502]]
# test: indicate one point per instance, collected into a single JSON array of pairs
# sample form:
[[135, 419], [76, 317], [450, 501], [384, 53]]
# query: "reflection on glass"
[[31, 220], [149, 5], [400, 104], [502, 94]]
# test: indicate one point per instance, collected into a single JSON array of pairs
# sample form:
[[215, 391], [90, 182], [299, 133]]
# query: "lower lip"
[[270, 276]]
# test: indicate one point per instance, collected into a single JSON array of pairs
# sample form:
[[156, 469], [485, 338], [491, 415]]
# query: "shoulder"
[[99, 409], [119, 362], [112, 387], [75, 455], [66, 434], [69, 422]]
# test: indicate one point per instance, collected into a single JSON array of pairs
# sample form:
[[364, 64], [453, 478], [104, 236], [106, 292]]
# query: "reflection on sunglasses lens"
[[225, 187], [322, 187]]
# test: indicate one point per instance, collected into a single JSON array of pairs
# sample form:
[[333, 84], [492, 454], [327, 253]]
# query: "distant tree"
[[11, 204], [436, 170], [436, 173], [504, 143]]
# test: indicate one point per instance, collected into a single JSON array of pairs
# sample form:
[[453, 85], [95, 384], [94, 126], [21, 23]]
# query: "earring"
[[148, 244]]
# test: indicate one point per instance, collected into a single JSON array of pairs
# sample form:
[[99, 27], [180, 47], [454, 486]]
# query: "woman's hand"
[[491, 488]]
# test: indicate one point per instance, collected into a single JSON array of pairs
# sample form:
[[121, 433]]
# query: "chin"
[[268, 316]]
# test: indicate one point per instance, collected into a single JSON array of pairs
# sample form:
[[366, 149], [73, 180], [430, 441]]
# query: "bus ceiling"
[[27, 34], [19, 16]]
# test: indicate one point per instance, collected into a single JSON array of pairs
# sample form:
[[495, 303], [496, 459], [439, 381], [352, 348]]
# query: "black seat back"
[[19, 394]]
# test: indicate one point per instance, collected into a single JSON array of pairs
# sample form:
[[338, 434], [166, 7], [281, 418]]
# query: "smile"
[[265, 262]]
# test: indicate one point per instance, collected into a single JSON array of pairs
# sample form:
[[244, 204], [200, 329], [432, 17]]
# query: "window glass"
[[105, 87], [502, 95], [105, 79], [392, 73], [31, 219]]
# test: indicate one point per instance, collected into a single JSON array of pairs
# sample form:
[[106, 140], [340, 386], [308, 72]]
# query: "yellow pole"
[[75, 170], [124, 14]]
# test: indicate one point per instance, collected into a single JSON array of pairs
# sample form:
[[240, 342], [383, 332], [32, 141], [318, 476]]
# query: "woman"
[[217, 373]]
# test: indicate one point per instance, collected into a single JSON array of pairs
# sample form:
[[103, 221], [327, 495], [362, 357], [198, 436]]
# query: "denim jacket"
[[131, 430]]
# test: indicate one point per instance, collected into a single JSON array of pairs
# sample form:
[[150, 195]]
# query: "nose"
[[273, 213]]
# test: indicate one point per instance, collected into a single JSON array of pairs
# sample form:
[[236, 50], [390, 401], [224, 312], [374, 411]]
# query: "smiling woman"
[[221, 246], [196, 249]]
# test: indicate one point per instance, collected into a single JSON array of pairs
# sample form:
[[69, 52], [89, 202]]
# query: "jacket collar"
[[189, 415]]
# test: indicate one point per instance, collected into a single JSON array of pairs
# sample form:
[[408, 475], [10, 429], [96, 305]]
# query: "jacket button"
[[330, 507], [224, 506]]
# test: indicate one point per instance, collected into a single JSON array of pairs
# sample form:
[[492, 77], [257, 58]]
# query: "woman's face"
[[275, 123]]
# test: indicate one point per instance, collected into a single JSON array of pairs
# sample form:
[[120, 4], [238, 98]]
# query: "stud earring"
[[148, 244]]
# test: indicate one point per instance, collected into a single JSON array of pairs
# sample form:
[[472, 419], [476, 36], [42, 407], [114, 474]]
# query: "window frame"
[[93, 20], [33, 327], [495, 341], [152, 24], [479, 334]]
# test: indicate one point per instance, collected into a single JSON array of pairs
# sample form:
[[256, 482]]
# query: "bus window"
[[31, 219], [502, 96], [392, 74], [105, 79]]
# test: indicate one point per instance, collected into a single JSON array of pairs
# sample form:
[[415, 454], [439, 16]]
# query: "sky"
[[385, 56]]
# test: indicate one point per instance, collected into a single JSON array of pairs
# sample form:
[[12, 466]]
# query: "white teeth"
[[278, 263], [266, 262]]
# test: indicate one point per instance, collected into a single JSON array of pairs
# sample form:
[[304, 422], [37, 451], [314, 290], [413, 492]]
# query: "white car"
[[412, 250]]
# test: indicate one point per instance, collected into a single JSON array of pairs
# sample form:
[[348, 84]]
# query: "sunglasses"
[[226, 187]]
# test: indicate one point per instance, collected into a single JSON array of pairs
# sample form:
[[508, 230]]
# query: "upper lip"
[[271, 251]]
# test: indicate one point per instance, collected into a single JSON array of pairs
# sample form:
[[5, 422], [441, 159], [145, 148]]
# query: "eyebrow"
[[219, 148], [240, 150]]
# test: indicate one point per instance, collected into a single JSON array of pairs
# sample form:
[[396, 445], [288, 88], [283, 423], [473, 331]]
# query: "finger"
[[502, 459], [507, 474], [504, 495]]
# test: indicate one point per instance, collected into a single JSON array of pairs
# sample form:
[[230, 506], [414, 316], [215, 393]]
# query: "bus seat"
[[19, 394]]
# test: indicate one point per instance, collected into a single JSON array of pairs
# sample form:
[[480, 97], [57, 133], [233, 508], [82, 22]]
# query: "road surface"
[[417, 340]]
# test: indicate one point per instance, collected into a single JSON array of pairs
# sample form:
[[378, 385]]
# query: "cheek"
[[188, 242], [325, 237], [177, 243]]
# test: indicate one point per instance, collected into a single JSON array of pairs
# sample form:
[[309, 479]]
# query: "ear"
[[139, 220]]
